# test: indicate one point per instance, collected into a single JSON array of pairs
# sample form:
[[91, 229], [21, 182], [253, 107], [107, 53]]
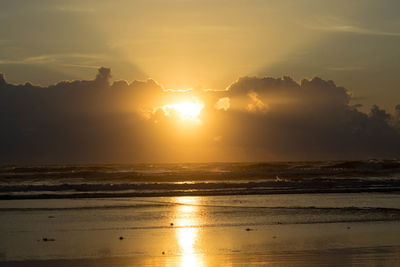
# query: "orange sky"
[[206, 44], [191, 80]]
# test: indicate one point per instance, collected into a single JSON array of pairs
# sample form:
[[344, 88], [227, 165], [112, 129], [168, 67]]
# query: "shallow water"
[[206, 229]]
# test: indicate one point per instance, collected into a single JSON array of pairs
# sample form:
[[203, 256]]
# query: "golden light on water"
[[187, 221], [186, 239]]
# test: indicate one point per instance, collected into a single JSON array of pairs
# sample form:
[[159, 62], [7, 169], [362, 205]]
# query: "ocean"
[[141, 180], [212, 214]]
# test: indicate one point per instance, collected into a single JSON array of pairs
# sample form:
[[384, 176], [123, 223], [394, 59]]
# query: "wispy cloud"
[[67, 60], [74, 9], [341, 26], [357, 30], [345, 68]]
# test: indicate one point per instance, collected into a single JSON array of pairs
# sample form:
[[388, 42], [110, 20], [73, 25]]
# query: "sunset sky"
[[211, 47]]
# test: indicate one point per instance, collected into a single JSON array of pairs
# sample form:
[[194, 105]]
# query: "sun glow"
[[187, 111]]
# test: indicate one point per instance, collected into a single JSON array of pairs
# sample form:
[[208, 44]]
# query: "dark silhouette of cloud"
[[254, 119], [310, 120]]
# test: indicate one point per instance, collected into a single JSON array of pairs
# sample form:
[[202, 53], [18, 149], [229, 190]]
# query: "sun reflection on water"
[[187, 221]]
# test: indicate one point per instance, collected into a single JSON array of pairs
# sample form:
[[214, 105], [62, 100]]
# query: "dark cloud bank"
[[98, 121]]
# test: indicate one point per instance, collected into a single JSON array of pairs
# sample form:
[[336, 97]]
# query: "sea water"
[[191, 212]]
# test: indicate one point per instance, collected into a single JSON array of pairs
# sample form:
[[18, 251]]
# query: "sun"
[[188, 111]]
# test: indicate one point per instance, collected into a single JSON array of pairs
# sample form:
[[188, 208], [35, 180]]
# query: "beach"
[[250, 230], [212, 214]]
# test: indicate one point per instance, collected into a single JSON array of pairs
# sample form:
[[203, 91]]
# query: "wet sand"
[[200, 231], [377, 256]]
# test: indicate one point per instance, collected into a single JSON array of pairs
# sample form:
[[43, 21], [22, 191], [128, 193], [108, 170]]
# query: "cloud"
[[74, 9], [334, 24], [357, 30], [346, 68], [103, 121], [257, 104], [312, 119], [59, 59], [396, 118], [223, 103]]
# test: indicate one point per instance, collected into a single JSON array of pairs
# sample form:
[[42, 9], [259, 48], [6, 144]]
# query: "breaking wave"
[[140, 180]]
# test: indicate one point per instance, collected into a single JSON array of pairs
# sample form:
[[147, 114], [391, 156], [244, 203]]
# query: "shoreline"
[[360, 256], [197, 194]]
